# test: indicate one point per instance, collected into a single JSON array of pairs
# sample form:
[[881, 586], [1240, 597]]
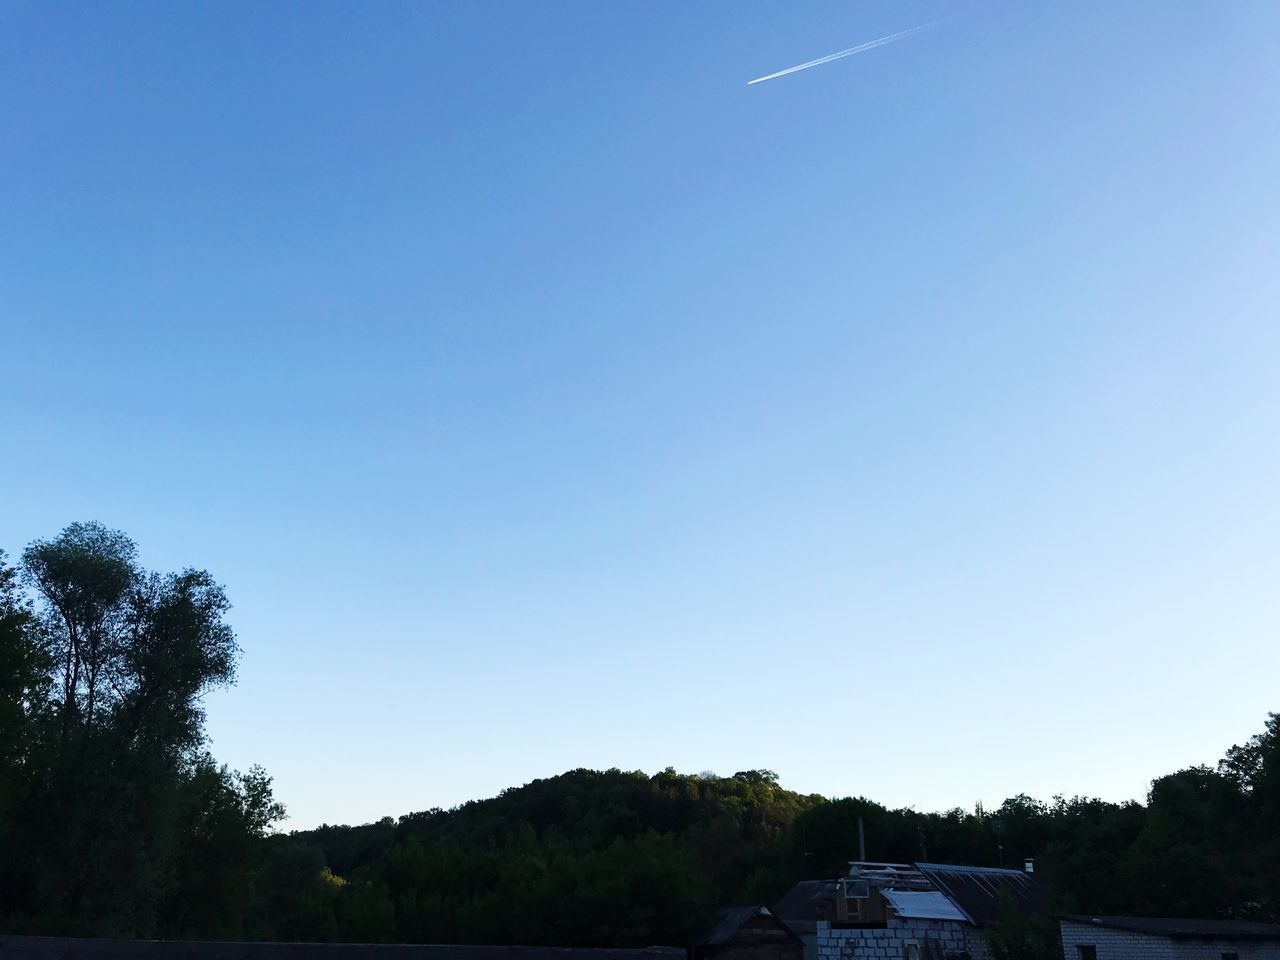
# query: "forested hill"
[[115, 820], [622, 858]]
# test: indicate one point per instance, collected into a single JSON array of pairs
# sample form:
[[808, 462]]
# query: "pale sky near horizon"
[[545, 396]]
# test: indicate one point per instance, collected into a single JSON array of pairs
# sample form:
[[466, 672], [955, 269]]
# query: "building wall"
[[975, 942], [773, 950], [888, 942], [1122, 945], [763, 937]]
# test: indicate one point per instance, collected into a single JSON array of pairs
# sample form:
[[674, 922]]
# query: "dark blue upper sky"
[[546, 396]]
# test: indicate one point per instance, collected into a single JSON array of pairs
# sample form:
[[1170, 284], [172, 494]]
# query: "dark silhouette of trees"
[[114, 820]]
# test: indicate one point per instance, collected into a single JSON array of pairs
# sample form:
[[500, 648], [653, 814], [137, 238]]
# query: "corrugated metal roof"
[[981, 892], [923, 905]]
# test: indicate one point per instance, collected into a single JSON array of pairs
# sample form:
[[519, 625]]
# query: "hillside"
[[617, 858], [115, 820]]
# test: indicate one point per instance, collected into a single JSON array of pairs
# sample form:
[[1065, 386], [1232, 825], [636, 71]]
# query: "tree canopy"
[[115, 820]]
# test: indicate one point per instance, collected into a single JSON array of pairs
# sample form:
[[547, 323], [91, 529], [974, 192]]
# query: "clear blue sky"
[[545, 396]]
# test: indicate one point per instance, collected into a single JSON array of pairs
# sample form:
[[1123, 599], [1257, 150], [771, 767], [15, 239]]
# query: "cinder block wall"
[[886, 943], [1123, 945], [975, 942]]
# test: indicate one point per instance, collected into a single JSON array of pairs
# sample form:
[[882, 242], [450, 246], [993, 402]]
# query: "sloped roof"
[[732, 919], [73, 948], [805, 904], [980, 892], [923, 905], [1180, 929]]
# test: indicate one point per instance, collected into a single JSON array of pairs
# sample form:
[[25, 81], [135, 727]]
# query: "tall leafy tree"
[[24, 672], [101, 733]]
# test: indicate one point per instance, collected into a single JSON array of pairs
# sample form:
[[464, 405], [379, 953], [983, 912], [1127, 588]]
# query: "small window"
[[1231, 956], [857, 889], [1088, 951]]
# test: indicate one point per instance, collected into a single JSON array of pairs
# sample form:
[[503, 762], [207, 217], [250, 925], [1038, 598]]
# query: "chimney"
[[1028, 865]]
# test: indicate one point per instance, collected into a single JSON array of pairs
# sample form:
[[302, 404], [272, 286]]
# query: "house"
[[920, 911], [804, 905], [749, 933], [1159, 938]]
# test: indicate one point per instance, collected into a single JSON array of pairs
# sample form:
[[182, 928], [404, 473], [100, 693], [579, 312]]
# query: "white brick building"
[[902, 939], [922, 911], [1158, 938]]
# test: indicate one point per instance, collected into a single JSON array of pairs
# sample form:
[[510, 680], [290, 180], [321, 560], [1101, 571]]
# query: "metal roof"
[[923, 905], [1180, 929], [981, 892]]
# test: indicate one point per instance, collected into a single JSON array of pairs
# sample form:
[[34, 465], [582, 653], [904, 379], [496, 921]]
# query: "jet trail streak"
[[869, 45]]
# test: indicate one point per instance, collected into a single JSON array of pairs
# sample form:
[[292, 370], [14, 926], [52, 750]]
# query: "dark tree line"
[[618, 858], [114, 820]]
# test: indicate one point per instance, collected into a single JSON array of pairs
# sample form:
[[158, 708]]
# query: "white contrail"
[[869, 45]]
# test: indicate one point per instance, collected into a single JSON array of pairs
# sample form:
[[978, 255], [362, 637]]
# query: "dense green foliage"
[[113, 819], [624, 858]]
